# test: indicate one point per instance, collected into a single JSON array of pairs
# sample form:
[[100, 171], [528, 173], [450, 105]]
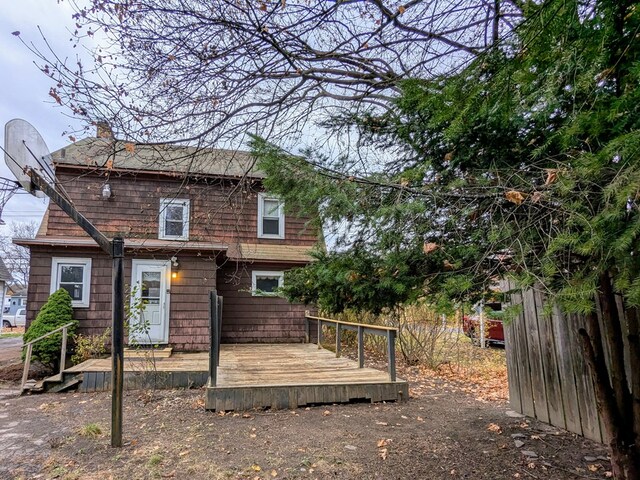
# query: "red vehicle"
[[493, 327]]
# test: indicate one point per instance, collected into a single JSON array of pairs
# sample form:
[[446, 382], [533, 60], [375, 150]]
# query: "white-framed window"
[[74, 275], [174, 219], [265, 283], [270, 217]]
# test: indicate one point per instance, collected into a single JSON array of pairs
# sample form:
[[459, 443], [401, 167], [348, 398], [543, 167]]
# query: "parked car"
[[17, 320], [493, 327]]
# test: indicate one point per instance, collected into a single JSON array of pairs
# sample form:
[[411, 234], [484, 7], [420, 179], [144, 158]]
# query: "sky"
[[25, 90]]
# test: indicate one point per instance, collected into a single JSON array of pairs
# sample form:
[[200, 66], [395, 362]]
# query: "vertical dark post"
[[213, 340], [307, 331], [117, 341], [391, 348], [319, 333], [338, 339], [360, 346], [219, 316]]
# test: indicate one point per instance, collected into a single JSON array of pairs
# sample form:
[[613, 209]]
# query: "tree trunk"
[[616, 404]]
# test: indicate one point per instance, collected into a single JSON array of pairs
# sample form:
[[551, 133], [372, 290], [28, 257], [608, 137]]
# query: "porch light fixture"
[[106, 191], [175, 266]]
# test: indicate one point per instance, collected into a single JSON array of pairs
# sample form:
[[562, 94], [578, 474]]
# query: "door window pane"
[[150, 290]]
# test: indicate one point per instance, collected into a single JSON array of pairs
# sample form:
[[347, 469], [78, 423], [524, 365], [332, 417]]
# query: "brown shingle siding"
[[219, 211]]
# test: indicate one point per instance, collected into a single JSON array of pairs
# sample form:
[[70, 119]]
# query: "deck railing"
[[361, 328], [29, 345]]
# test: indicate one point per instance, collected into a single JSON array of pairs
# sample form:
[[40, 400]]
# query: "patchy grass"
[[90, 430], [155, 460], [10, 334]]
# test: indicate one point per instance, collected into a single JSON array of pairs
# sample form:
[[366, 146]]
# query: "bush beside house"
[[55, 313]]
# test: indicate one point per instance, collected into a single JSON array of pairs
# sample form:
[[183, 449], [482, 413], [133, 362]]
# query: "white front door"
[[149, 322]]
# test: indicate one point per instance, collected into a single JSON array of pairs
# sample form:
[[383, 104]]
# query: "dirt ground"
[[443, 432]]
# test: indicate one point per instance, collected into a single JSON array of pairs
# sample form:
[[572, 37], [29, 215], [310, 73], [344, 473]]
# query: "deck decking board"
[[253, 376]]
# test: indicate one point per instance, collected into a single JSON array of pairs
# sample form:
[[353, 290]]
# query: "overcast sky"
[[25, 90]]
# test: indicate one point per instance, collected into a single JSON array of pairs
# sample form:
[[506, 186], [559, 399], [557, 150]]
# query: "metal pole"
[[117, 341]]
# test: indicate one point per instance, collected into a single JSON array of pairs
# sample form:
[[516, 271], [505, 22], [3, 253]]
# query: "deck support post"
[[391, 350], [338, 340], [117, 341], [319, 333], [360, 346]]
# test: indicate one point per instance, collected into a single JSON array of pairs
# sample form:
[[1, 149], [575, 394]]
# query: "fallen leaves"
[[382, 444], [493, 427], [429, 247], [515, 197], [552, 176]]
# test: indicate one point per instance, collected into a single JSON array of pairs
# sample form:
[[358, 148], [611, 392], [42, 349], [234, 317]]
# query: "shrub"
[[55, 313], [90, 346]]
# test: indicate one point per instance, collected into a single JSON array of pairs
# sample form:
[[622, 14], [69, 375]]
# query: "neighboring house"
[[193, 220], [16, 298], [5, 278]]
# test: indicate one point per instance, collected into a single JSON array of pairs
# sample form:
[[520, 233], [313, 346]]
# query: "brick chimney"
[[103, 130]]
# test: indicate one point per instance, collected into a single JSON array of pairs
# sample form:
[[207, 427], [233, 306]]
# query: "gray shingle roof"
[[5, 275], [168, 159]]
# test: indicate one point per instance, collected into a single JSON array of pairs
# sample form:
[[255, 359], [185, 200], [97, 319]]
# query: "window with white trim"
[[174, 219], [270, 217], [74, 275], [265, 283]]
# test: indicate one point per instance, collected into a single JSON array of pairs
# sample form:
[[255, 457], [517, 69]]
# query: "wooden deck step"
[[68, 382], [148, 352]]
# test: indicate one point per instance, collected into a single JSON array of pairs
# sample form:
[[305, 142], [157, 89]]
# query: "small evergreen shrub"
[[55, 313]]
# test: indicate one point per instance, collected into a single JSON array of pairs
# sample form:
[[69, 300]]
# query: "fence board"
[[512, 370], [549, 363], [566, 372], [535, 357], [584, 385], [520, 335], [548, 376]]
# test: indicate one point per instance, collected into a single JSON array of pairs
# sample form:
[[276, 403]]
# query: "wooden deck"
[[254, 376]]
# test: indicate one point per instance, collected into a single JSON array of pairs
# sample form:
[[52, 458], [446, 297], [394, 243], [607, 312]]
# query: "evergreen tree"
[[526, 163], [55, 313]]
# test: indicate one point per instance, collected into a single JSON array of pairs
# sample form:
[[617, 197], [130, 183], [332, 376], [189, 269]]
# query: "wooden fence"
[[548, 377]]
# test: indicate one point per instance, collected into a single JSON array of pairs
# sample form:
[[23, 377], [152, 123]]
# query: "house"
[[15, 298], [193, 220], [5, 278]]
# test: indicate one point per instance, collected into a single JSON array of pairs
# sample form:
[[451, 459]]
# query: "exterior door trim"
[[165, 287]]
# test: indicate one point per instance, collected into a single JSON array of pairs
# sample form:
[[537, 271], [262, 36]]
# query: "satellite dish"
[[25, 149]]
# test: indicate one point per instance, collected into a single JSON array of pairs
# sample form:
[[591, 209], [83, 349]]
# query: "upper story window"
[[174, 219], [270, 217], [74, 275]]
